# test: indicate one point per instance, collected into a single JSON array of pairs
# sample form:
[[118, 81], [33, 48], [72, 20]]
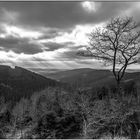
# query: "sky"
[[47, 35]]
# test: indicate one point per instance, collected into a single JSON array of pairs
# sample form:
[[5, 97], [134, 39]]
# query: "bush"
[[116, 118], [53, 126]]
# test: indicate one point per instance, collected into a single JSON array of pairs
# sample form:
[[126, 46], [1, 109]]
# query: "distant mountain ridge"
[[46, 71], [87, 77], [83, 77]]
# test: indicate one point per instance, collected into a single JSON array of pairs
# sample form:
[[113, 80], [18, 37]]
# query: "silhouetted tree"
[[117, 43]]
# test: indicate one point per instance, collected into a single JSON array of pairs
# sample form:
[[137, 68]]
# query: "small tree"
[[118, 44], [20, 113], [82, 103]]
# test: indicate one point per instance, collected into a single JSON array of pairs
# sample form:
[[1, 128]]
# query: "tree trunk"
[[21, 133], [84, 128], [14, 129], [119, 90]]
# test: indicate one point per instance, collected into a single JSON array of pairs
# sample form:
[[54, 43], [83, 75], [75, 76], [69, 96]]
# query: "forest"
[[59, 114]]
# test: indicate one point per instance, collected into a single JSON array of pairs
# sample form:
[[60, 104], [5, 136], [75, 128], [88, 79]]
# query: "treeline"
[[56, 113]]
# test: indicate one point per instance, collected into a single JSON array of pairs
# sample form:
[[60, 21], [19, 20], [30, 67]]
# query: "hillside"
[[82, 77], [18, 82], [92, 77]]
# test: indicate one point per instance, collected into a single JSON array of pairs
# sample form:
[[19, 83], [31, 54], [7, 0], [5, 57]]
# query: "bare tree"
[[118, 44], [82, 102], [19, 113]]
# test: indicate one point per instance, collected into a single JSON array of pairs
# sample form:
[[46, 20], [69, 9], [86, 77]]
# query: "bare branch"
[[118, 43]]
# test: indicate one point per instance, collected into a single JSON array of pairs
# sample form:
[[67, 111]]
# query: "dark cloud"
[[51, 33], [62, 14], [51, 46], [19, 45], [71, 54]]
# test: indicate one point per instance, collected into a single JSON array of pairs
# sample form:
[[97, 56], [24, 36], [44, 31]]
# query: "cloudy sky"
[[47, 35]]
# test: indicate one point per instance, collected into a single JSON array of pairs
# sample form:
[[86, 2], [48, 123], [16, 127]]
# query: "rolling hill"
[[87, 78], [18, 82], [84, 77]]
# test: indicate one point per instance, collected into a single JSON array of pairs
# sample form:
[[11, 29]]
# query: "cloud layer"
[[48, 34]]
